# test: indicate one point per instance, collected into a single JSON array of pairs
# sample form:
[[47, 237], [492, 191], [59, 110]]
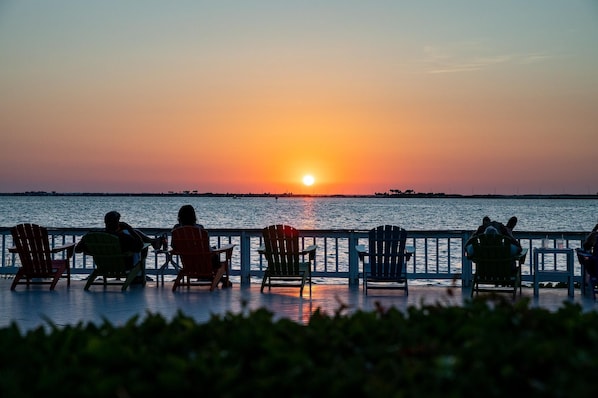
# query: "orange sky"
[[455, 97]]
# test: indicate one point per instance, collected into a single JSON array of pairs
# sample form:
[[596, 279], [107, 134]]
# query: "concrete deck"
[[34, 306]]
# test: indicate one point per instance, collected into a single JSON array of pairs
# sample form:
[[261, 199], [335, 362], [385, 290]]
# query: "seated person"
[[500, 228], [590, 252], [494, 227], [590, 242], [131, 240], [187, 217], [491, 230]]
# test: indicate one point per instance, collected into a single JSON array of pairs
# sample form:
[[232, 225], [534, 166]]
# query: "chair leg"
[[68, 274], [55, 281], [59, 274], [133, 273], [18, 277], [90, 279], [177, 281], [217, 278]]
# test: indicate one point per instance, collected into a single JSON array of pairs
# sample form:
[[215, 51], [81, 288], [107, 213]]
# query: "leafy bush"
[[488, 347]]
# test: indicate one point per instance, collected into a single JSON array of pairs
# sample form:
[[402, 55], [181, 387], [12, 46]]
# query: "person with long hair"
[[188, 217]]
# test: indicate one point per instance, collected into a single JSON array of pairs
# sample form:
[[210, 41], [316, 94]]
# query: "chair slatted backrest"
[[192, 245], [33, 246], [493, 258], [281, 249], [386, 245], [107, 253]]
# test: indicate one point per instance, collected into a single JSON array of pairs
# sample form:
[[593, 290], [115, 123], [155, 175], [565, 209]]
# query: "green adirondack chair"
[[497, 269], [111, 264], [289, 265]]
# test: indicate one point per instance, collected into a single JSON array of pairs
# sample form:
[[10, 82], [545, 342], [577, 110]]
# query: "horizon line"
[[290, 194]]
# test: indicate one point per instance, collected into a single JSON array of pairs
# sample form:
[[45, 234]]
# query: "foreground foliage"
[[487, 347]]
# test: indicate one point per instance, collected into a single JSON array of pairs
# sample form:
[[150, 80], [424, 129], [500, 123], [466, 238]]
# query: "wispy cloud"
[[472, 56]]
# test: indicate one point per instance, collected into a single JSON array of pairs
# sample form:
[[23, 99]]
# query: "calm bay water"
[[303, 213]]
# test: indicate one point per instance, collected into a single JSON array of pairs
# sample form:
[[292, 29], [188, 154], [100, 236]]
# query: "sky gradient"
[[460, 97]]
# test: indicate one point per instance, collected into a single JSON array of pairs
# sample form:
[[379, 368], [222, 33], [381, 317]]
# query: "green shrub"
[[488, 347]]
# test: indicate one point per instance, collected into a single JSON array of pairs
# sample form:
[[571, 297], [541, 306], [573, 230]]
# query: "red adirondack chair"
[[38, 265], [192, 245]]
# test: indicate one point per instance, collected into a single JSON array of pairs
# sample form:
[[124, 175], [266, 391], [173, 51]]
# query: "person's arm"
[[590, 243], [134, 233], [80, 247], [130, 243], [595, 248]]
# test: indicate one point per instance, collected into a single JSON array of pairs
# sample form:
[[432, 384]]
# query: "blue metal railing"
[[438, 254]]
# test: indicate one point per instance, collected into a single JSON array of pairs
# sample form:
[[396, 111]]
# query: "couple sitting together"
[[133, 240], [489, 227]]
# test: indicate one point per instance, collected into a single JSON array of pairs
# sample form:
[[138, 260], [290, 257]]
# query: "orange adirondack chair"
[[192, 245], [37, 257]]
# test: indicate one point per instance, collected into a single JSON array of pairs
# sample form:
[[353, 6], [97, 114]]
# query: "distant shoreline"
[[291, 195]]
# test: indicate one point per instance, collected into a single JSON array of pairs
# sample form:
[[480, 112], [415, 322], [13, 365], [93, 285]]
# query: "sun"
[[308, 180]]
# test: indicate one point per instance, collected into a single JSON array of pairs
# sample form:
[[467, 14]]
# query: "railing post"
[[353, 260], [245, 259]]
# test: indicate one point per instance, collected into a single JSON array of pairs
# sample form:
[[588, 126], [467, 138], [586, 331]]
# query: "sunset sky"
[[461, 97]]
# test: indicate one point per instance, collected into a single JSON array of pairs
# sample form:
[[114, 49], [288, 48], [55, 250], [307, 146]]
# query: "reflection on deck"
[[37, 306]]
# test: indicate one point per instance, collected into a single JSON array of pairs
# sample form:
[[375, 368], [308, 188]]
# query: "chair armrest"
[[521, 256], [311, 250], [409, 251], [130, 253], [228, 249], [361, 252], [69, 247], [584, 257]]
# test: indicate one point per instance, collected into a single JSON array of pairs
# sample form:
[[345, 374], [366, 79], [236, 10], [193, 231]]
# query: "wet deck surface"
[[34, 306]]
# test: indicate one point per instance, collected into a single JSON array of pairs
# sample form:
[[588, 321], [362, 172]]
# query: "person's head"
[[111, 219], [187, 215], [491, 231], [486, 220]]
